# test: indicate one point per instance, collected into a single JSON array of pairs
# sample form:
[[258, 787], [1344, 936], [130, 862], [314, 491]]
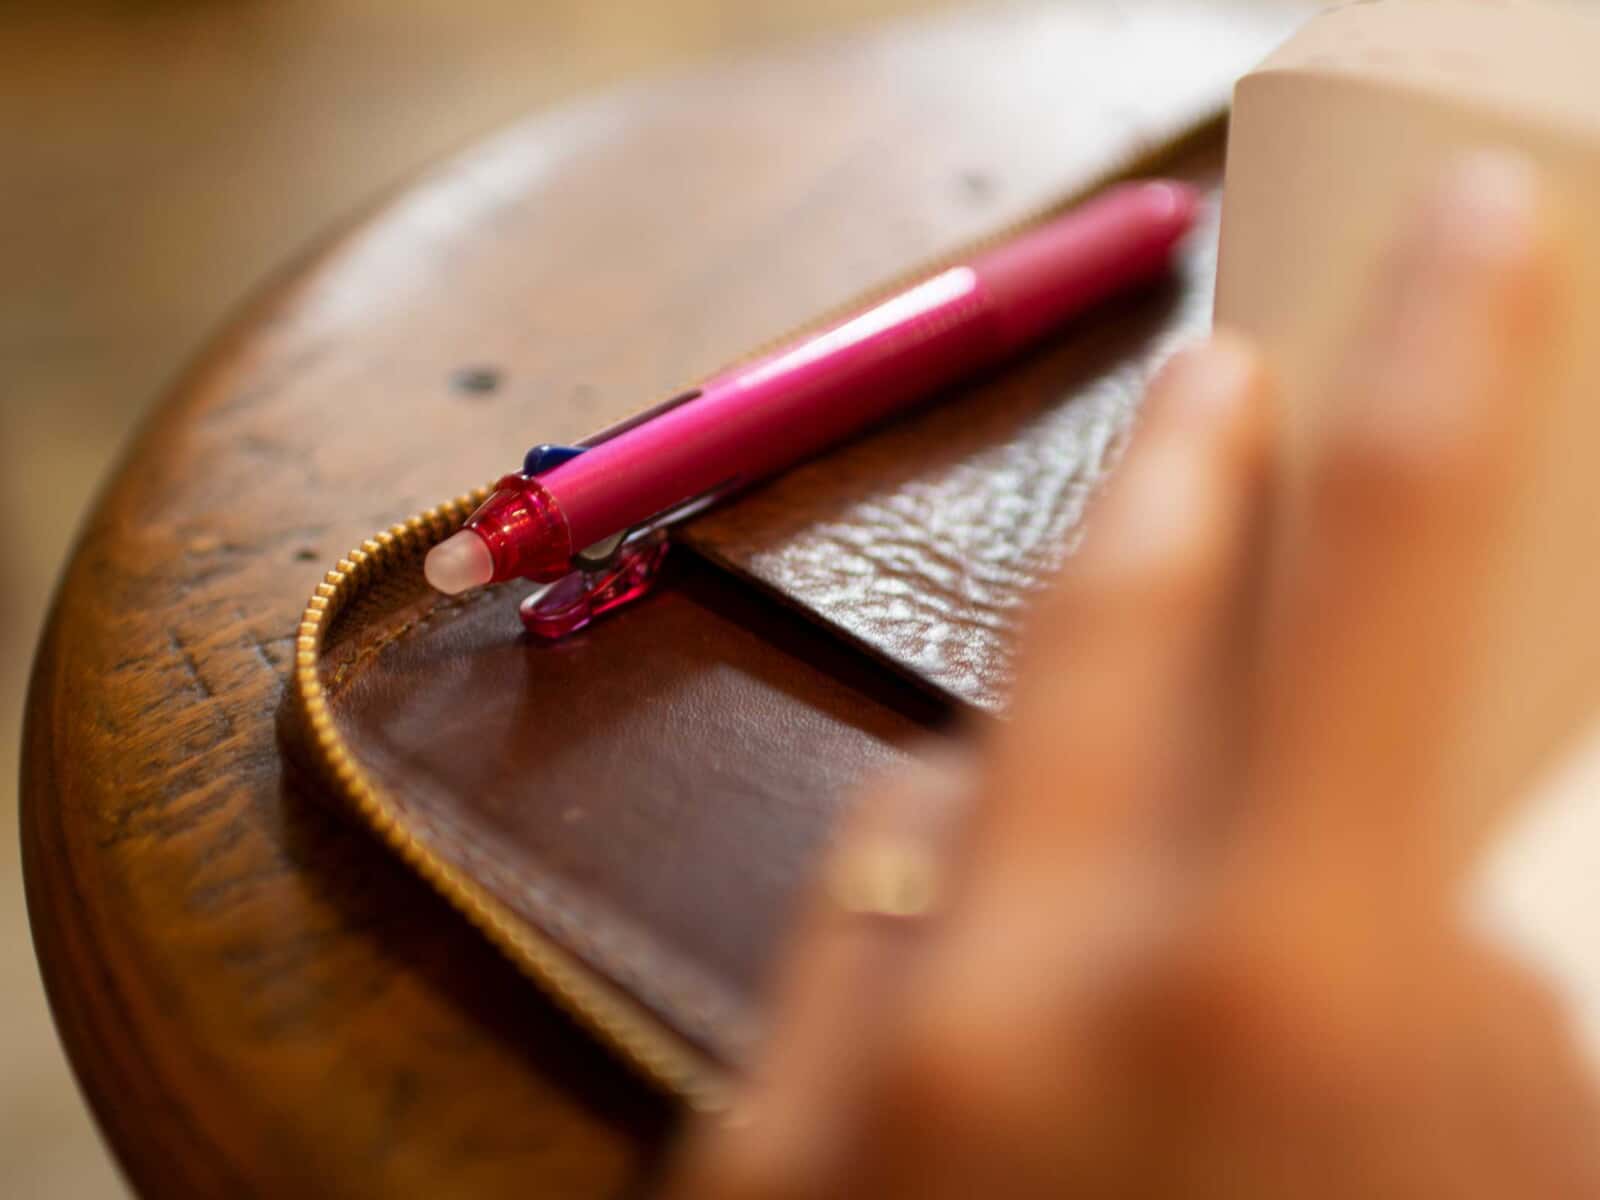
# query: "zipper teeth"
[[659, 1055]]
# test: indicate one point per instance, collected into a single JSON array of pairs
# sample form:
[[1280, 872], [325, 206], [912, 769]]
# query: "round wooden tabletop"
[[256, 997]]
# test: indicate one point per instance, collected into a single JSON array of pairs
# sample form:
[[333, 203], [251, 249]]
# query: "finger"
[[985, 1034], [1373, 618], [878, 893], [1516, 1050], [1121, 651]]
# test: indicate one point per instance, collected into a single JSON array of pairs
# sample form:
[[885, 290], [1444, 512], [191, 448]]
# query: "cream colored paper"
[[1333, 139]]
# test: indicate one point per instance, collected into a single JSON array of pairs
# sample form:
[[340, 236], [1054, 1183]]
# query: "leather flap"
[[649, 795]]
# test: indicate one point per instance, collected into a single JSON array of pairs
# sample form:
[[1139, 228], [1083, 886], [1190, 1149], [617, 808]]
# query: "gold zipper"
[[660, 1055]]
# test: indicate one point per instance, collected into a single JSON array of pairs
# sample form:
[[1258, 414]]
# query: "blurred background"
[[161, 159]]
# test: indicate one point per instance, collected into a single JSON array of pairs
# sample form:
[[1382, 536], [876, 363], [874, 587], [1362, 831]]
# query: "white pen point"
[[459, 562]]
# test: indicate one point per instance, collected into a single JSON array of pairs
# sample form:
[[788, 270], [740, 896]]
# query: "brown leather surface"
[[649, 793], [652, 794], [923, 541]]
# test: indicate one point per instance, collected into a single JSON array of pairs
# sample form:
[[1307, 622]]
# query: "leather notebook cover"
[[630, 814], [922, 542]]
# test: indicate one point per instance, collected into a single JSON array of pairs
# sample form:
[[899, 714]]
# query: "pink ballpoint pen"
[[591, 526]]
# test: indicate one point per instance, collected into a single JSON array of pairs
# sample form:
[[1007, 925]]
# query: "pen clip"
[[609, 574]]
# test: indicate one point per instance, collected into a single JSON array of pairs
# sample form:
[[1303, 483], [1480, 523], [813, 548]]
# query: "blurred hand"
[[1188, 925]]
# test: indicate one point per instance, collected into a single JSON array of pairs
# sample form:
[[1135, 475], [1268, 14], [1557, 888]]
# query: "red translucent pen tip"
[[524, 530]]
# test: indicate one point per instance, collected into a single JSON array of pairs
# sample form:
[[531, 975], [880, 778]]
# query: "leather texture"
[[652, 793], [923, 541]]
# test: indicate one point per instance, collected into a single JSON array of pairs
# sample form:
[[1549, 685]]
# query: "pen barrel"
[[1051, 274], [757, 419], [525, 531], [760, 418]]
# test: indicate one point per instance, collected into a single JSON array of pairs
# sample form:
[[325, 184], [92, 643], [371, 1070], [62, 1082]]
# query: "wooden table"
[[257, 999]]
